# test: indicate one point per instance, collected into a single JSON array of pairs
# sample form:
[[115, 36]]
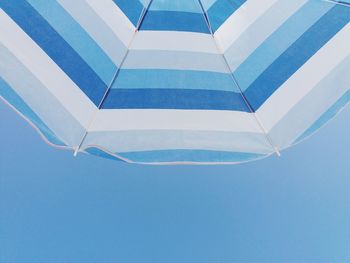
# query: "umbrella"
[[167, 82]]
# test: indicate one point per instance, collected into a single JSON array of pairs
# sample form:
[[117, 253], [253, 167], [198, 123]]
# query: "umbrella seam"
[[259, 122], [115, 76], [337, 2]]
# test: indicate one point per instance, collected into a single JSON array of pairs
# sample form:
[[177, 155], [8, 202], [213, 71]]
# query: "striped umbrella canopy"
[[185, 81]]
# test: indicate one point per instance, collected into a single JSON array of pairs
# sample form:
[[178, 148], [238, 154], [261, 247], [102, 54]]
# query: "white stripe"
[[171, 40], [149, 119], [143, 140], [305, 79], [45, 70], [240, 20], [114, 18]]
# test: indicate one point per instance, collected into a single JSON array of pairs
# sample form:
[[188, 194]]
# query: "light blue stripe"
[[173, 79], [172, 156], [190, 156], [76, 37], [178, 5], [9, 95], [278, 42], [327, 116]]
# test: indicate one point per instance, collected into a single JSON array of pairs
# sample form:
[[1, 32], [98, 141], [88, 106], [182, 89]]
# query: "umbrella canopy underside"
[[169, 82]]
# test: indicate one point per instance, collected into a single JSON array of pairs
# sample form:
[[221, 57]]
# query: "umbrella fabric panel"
[[264, 42], [297, 48], [175, 71], [295, 56], [328, 18], [261, 63], [182, 86]]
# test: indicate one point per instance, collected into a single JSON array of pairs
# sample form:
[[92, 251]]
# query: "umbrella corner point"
[[76, 150]]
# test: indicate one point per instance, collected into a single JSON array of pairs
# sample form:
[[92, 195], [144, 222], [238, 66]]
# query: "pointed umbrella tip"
[[76, 152], [278, 152]]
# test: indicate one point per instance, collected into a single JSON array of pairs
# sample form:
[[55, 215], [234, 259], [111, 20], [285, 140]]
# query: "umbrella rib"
[[268, 138], [337, 2], [115, 76]]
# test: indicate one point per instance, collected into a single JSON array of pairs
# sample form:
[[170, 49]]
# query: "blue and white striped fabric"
[[167, 82]]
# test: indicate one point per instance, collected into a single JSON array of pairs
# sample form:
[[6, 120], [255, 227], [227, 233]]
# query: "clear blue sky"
[[55, 208]]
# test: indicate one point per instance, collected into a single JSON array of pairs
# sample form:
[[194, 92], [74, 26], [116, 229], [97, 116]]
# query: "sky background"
[[55, 208]]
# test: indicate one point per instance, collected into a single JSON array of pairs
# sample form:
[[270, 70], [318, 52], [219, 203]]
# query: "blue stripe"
[[56, 47], [173, 79], [174, 99], [131, 8], [296, 55], [179, 156], [77, 37], [327, 116], [221, 10], [16, 101], [174, 21]]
